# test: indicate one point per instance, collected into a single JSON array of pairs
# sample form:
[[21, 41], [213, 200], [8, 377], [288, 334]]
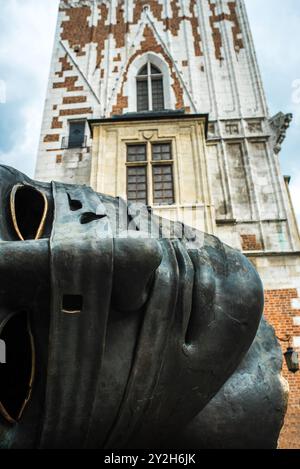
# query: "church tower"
[[162, 102]]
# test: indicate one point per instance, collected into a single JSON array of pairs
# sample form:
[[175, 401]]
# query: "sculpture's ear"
[[17, 371], [136, 258], [29, 208]]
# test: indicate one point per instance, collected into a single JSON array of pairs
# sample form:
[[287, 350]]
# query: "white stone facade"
[[205, 52]]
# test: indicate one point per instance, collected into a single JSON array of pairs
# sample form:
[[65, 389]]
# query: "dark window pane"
[[157, 170], [137, 191], [163, 193], [154, 70], [161, 152], [157, 94], [144, 70], [136, 153], [166, 170], [76, 135], [142, 95]]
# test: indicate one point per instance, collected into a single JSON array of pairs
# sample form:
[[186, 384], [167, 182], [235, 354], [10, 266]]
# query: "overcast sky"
[[26, 39]]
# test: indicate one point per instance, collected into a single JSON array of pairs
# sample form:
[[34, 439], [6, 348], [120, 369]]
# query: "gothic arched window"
[[150, 89]]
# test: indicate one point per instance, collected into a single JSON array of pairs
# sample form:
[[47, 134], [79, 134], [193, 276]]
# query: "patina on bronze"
[[115, 339]]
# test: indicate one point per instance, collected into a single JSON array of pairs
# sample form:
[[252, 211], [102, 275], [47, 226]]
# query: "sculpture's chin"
[[17, 371]]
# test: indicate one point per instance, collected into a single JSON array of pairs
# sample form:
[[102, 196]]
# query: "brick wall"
[[281, 310], [250, 243]]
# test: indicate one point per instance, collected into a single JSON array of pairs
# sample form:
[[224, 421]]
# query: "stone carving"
[[232, 128], [148, 134], [254, 126], [119, 327], [279, 125]]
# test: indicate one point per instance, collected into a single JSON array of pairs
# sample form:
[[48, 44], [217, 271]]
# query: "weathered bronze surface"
[[116, 338]]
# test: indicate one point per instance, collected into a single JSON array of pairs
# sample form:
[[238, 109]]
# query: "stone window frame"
[[148, 79], [131, 84], [149, 163], [65, 143]]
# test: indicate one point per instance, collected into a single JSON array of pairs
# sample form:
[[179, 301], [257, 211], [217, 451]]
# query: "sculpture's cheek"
[[17, 366]]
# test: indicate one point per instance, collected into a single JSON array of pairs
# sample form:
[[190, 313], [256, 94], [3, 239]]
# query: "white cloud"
[[22, 154], [27, 32], [28, 28]]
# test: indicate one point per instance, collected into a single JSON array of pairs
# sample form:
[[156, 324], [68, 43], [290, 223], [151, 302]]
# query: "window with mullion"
[[160, 158], [137, 175], [150, 89], [161, 151], [162, 174], [136, 153], [163, 193], [157, 94], [142, 95], [137, 184]]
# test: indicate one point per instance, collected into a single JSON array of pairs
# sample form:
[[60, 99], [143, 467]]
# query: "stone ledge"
[[271, 253]]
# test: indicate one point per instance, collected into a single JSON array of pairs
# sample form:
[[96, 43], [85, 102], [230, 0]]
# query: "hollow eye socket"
[[29, 208], [17, 368]]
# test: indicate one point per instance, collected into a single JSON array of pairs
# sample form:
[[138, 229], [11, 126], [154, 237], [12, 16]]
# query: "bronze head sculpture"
[[115, 338]]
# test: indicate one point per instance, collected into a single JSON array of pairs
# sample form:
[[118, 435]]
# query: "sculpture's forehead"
[[10, 177]]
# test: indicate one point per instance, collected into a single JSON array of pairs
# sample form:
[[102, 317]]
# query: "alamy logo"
[[2, 351]]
